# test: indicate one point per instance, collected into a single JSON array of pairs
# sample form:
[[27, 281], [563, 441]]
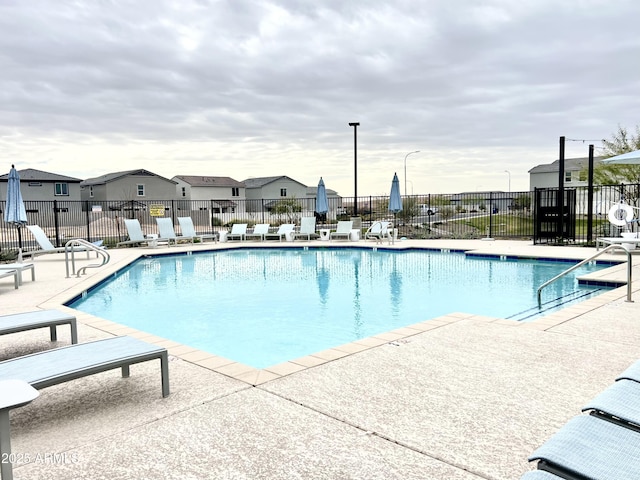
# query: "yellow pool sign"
[[156, 210]]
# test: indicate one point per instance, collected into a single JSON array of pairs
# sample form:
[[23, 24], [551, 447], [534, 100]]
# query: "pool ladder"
[[72, 246], [595, 255]]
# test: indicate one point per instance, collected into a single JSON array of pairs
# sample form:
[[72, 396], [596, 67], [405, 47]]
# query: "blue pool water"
[[261, 307]]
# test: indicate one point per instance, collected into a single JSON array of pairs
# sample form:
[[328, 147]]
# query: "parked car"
[[427, 209]]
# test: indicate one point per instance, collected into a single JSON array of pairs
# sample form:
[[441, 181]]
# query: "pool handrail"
[[73, 244], [587, 260]]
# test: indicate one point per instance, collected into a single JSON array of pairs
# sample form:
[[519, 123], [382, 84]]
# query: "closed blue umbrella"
[[322, 204], [15, 212], [395, 200]]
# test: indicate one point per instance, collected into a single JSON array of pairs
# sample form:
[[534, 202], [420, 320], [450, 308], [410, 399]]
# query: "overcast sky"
[[250, 88]]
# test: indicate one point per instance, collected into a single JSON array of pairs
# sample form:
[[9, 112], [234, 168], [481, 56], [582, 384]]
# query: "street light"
[[405, 170], [355, 166], [509, 173], [411, 183]]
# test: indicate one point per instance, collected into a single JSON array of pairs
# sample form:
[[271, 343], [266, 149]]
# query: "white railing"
[[595, 255], [80, 245]]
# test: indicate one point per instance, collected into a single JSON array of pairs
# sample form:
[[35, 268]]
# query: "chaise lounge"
[[307, 229], [51, 367], [283, 230], [188, 230], [259, 232], [136, 237], [167, 232], [342, 230], [11, 273], [21, 322], [46, 246], [602, 445], [238, 232]]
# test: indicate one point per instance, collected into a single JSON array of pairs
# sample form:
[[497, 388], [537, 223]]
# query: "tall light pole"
[[405, 170], [509, 173], [355, 166]]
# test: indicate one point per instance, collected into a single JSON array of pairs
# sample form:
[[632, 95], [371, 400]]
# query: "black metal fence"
[[470, 215]]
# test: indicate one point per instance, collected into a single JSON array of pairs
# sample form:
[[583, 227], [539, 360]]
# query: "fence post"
[[490, 214], [88, 217], [56, 222]]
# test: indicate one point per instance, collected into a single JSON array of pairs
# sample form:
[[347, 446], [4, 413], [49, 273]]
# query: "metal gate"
[[554, 222]]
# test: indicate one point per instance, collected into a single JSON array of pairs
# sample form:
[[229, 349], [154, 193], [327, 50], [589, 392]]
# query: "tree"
[[620, 142], [288, 208], [613, 174]]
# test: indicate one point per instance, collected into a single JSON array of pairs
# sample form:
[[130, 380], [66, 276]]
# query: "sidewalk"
[[470, 398]]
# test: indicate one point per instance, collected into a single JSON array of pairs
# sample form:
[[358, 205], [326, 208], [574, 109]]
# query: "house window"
[[184, 191], [35, 184], [583, 176], [283, 192], [91, 191], [567, 176], [235, 192], [61, 189], [140, 188]]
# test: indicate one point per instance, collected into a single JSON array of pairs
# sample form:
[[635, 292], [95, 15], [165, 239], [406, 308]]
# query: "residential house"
[[221, 194], [575, 173], [128, 186], [37, 185], [264, 193]]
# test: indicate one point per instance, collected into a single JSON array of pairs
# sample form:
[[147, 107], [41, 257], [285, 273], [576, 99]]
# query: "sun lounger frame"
[[52, 367], [602, 241], [11, 273], [22, 322]]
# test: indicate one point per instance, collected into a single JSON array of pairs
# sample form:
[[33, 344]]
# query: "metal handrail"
[[70, 247], [587, 260]]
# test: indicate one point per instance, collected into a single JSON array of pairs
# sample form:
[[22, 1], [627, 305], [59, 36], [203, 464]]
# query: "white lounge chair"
[[378, 231], [51, 367], [238, 231], [11, 273], [167, 232], [343, 230], [45, 244], [136, 237], [259, 231], [20, 267], [188, 230], [21, 322], [307, 228], [283, 230]]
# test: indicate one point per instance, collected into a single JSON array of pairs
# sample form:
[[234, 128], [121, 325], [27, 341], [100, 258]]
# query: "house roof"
[[225, 203], [203, 181], [33, 175], [572, 164], [260, 182], [110, 177], [312, 192]]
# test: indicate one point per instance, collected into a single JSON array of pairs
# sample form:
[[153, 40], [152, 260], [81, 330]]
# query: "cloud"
[[250, 88]]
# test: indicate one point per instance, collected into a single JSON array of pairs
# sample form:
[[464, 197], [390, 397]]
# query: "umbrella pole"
[[19, 238], [393, 237]]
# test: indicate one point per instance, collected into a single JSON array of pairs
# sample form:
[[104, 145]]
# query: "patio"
[[468, 398]]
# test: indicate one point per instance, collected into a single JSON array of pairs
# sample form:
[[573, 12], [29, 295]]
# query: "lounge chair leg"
[[6, 469], [74, 332], [164, 366], [125, 371], [54, 333]]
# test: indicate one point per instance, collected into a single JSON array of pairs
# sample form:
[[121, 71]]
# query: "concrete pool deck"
[[463, 397]]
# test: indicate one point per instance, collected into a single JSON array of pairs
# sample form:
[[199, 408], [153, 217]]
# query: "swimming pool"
[[265, 306]]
